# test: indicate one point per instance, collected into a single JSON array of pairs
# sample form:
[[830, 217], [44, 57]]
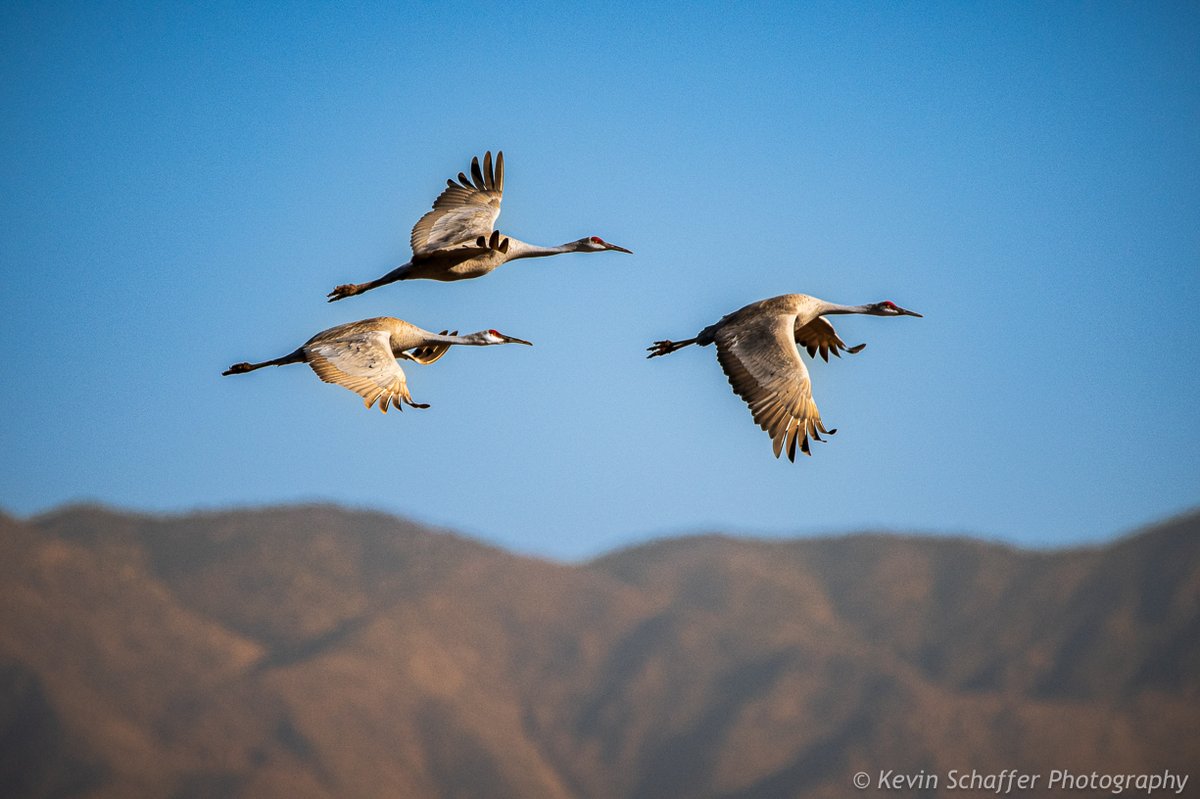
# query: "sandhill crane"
[[362, 356], [456, 240], [756, 347]]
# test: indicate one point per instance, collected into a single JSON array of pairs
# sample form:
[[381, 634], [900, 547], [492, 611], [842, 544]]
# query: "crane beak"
[[618, 249], [511, 340], [906, 312]]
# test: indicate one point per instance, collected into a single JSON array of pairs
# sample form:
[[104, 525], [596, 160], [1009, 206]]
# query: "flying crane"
[[756, 347], [457, 239], [363, 356]]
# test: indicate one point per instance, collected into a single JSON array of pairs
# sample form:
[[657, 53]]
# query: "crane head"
[[597, 244], [496, 337], [889, 308]]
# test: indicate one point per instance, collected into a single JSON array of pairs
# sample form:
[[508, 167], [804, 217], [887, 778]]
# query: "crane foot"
[[662, 348], [343, 291]]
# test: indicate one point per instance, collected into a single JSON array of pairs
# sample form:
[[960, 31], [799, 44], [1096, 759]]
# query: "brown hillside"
[[317, 652]]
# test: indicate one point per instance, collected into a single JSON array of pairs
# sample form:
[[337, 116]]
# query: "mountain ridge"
[[88, 506]]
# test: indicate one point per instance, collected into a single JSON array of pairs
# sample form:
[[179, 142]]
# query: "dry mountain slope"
[[312, 651]]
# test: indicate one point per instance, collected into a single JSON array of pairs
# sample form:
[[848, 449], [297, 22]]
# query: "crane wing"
[[363, 363], [765, 369], [464, 211], [819, 336], [429, 353]]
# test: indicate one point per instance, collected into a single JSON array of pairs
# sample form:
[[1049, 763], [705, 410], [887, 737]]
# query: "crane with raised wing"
[[457, 240]]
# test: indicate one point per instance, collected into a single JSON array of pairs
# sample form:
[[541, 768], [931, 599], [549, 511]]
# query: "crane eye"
[[597, 240], [495, 333]]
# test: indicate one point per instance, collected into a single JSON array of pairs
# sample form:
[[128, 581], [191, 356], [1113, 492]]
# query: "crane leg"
[[297, 356], [350, 289]]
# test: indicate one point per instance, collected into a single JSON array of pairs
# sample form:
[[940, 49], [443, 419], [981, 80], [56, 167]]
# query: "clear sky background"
[[182, 185]]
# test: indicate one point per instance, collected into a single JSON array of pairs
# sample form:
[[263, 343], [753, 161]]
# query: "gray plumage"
[[757, 349]]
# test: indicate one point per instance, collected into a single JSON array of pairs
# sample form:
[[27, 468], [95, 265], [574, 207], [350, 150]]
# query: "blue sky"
[[181, 186]]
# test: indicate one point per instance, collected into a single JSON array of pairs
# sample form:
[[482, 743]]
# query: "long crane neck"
[[520, 249], [825, 308]]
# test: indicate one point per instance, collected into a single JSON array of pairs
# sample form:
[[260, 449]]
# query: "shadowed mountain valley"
[[318, 652]]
